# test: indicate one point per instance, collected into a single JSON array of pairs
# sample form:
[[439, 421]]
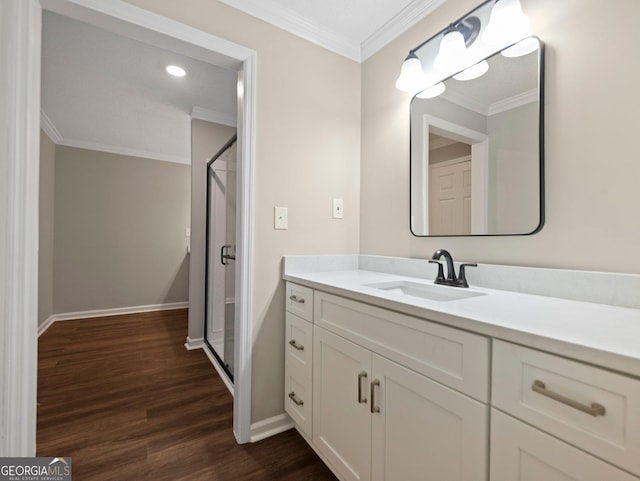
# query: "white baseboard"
[[270, 427], [46, 324], [223, 375], [192, 344], [117, 311]]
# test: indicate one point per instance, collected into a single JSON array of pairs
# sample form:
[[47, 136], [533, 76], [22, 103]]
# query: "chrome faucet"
[[451, 279]]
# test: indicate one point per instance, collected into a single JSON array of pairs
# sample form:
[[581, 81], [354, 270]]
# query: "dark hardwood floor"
[[124, 398]]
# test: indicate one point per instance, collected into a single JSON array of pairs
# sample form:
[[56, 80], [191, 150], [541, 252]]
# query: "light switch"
[[338, 209], [281, 218]]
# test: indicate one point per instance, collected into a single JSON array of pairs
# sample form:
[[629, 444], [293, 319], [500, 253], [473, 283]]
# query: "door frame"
[[20, 54], [479, 168]]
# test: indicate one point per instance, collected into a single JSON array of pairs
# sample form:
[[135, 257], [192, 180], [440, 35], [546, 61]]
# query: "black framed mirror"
[[477, 150]]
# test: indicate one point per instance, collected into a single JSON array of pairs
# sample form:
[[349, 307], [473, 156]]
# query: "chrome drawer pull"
[[298, 402], [594, 409], [374, 408], [299, 300], [295, 345], [361, 376]]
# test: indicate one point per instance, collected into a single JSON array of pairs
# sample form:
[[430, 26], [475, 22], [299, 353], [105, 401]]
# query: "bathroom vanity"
[[389, 377]]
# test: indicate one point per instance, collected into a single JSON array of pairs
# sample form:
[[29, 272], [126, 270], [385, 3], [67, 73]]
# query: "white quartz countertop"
[[605, 335]]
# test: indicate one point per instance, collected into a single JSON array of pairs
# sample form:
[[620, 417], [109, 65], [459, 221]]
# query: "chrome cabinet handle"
[[298, 402], [295, 345], [374, 408], [594, 409], [361, 376], [299, 300]]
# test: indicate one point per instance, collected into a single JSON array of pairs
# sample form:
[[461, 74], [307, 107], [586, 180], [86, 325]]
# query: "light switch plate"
[[187, 231], [280, 218], [338, 209]]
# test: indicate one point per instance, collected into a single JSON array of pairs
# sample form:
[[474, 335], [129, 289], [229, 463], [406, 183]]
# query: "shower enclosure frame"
[[208, 256]]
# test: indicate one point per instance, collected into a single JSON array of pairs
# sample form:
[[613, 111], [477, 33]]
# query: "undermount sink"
[[431, 292]]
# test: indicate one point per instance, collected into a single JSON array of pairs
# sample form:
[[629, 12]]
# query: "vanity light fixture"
[[412, 78], [473, 72], [452, 55], [176, 71], [431, 92], [507, 23]]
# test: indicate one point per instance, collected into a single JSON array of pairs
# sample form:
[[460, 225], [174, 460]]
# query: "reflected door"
[[450, 198], [221, 246]]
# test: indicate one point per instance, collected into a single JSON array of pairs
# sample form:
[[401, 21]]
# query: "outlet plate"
[[280, 218], [338, 209]]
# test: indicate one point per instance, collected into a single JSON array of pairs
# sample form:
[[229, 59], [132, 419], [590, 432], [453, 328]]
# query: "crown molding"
[[213, 116], [116, 149], [292, 22], [513, 102], [298, 25], [396, 26], [49, 128]]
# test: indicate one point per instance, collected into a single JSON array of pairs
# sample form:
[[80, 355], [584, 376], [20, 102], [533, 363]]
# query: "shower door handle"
[[224, 256]]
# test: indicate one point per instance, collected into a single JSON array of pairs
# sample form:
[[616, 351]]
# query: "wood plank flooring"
[[124, 398]]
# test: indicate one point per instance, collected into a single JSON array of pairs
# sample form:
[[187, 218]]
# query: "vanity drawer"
[[591, 408], [522, 453], [298, 401], [299, 300], [450, 356], [298, 371], [299, 346]]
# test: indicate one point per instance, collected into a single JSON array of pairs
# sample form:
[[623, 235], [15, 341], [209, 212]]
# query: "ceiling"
[[355, 29], [106, 92]]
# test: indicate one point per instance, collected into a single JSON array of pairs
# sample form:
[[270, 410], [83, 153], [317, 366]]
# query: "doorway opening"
[[23, 95]]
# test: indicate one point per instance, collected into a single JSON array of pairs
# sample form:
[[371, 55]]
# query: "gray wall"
[[45, 249], [206, 140], [119, 237], [514, 179]]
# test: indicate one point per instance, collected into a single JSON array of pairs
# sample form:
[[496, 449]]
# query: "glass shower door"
[[220, 272]]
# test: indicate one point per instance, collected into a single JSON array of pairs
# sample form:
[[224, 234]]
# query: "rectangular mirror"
[[477, 151]]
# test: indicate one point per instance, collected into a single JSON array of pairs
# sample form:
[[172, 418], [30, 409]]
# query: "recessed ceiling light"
[[176, 71]]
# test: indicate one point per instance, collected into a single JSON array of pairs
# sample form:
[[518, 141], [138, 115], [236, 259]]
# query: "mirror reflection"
[[476, 157]]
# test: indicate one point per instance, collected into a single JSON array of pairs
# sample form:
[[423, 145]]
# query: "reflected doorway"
[[220, 274], [449, 186]]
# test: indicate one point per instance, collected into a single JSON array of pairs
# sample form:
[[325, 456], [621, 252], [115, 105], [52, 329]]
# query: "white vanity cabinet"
[[592, 416], [388, 400], [497, 385]]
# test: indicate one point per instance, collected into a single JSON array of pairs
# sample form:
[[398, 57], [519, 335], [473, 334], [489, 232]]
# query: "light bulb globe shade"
[[431, 92], [507, 23], [176, 71], [452, 54], [412, 78], [473, 72], [522, 48]]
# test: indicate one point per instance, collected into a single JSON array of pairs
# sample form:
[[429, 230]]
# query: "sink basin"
[[430, 292]]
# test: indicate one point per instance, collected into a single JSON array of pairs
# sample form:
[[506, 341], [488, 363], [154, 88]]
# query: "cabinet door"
[[341, 417], [424, 430], [522, 453]]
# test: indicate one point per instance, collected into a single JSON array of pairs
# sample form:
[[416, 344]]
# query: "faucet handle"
[[440, 276], [462, 278]]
